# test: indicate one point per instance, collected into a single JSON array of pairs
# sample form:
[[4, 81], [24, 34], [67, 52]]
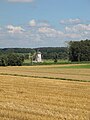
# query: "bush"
[[11, 60]]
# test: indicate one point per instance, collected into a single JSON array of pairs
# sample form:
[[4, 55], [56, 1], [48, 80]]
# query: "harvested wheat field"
[[50, 71], [26, 95]]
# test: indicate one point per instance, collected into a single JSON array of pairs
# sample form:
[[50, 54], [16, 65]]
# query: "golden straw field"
[[44, 93]]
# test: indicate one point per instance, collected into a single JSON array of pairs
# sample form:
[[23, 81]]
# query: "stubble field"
[[54, 92]]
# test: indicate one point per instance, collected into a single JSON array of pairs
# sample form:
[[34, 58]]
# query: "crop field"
[[75, 72], [51, 92]]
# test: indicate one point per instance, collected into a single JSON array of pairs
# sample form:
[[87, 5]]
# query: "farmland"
[[52, 92]]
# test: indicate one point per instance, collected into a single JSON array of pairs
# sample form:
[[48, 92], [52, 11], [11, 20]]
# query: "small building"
[[38, 57]]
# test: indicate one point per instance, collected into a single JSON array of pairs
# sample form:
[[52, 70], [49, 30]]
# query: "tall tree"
[[79, 50]]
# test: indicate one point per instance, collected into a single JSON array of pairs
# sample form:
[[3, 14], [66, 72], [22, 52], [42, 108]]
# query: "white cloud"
[[73, 35], [42, 24], [38, 23], [20, 0], [70, 21], [32, 23], [78, 28], [13, 29], [41, 33], [50, 32]]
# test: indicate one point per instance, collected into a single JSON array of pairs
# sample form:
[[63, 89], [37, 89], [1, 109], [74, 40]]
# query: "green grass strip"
[[87, 66]]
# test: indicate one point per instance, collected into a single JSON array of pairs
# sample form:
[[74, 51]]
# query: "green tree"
[[31, 56], [79, 50], [3, 61], [14, 60], [55, 57]]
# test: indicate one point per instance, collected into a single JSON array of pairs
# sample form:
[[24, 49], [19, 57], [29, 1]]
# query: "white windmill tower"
[[38, 57]]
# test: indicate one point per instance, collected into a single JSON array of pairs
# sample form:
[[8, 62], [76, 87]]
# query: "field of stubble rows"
[[54, 92]]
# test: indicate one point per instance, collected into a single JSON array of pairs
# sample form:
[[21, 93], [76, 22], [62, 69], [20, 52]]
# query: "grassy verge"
[[46, 62], [81, 66], [51, 62]]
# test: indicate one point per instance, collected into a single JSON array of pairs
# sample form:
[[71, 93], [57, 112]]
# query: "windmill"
[[38, 56]]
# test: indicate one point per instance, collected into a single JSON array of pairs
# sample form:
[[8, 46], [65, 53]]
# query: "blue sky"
[[43, 23]]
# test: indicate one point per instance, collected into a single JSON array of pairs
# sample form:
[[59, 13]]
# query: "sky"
[[43, 23]]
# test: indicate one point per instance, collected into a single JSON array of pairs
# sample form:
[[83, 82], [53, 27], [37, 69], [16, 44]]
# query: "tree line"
[[79, 50], [47, 52], [16, 56], [75, 51]]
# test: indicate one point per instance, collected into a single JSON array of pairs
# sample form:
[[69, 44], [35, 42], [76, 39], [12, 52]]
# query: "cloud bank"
[[78, 28], [40, 33]]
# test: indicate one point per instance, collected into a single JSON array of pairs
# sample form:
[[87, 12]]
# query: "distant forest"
[[47, 52]]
